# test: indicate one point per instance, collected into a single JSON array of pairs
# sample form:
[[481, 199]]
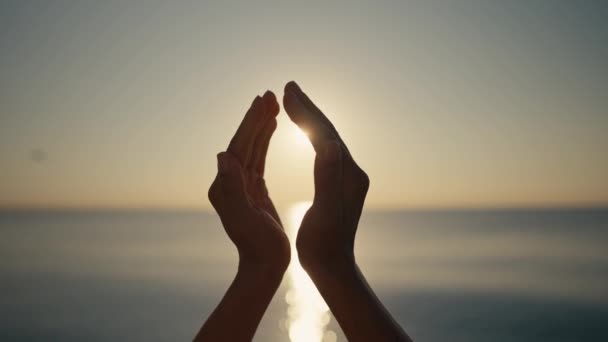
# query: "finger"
[[260, 147], [293, 87], [328, 177], [308, 120], [272, 106], [318, 115], [241, 144], [232, 184]]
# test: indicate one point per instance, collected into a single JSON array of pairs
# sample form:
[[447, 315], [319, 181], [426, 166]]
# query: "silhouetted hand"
[[240, 197], [326, 238], [327, 232], [239, 193]]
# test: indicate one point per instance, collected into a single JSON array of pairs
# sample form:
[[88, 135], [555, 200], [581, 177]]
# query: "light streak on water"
[[307, 314]]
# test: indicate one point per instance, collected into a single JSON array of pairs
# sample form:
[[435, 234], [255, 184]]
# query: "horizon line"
[[201, 209]]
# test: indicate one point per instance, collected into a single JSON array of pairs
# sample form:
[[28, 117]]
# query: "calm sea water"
[[533, 275]]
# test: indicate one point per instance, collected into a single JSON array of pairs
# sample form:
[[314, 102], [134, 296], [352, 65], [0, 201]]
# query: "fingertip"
[[288, 86], [291, 104], [256, 101], [271, 103], [256, 104], [292, 86], [258, 110]]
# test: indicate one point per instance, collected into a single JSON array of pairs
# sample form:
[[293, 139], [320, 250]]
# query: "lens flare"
[[307, 314]]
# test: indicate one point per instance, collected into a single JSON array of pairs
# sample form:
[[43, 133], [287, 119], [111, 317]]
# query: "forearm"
[[238, 315], [359, 312]]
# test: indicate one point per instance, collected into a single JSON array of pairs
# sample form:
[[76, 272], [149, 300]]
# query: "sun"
[[299, 136]]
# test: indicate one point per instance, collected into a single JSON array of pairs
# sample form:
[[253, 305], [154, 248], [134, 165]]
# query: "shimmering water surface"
[[505, 275]]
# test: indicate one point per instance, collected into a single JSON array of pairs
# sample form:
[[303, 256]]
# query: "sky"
[[124, 104]]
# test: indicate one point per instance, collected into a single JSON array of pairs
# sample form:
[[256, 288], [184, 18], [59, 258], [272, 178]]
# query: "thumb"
[[232, 183], [328, 177]]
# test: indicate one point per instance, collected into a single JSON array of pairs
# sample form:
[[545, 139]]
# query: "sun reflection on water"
[[307, 314]]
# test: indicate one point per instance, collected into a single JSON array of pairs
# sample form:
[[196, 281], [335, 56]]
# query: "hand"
[[327, 232], [239, 193], [326, 238], [240, 197]]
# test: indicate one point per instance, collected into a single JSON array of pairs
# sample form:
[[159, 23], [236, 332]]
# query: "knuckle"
[[362, 181], [214, 193], [273, 125]]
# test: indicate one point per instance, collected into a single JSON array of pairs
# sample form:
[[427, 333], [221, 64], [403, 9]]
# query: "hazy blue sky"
[[453, 103]]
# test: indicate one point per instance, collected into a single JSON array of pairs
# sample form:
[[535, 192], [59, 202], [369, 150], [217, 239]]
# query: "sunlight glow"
[[308, 315], [299, 136]]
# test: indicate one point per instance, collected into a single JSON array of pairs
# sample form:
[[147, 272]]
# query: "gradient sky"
[[444, 104]]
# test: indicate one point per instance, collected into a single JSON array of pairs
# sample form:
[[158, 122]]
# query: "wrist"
[[315, 262], [270, 269], [273, 259]]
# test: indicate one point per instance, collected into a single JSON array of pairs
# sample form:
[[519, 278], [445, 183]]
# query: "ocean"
[[462, 275]]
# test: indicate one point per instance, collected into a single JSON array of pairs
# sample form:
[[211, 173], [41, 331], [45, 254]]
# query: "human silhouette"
[[325, 241]]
